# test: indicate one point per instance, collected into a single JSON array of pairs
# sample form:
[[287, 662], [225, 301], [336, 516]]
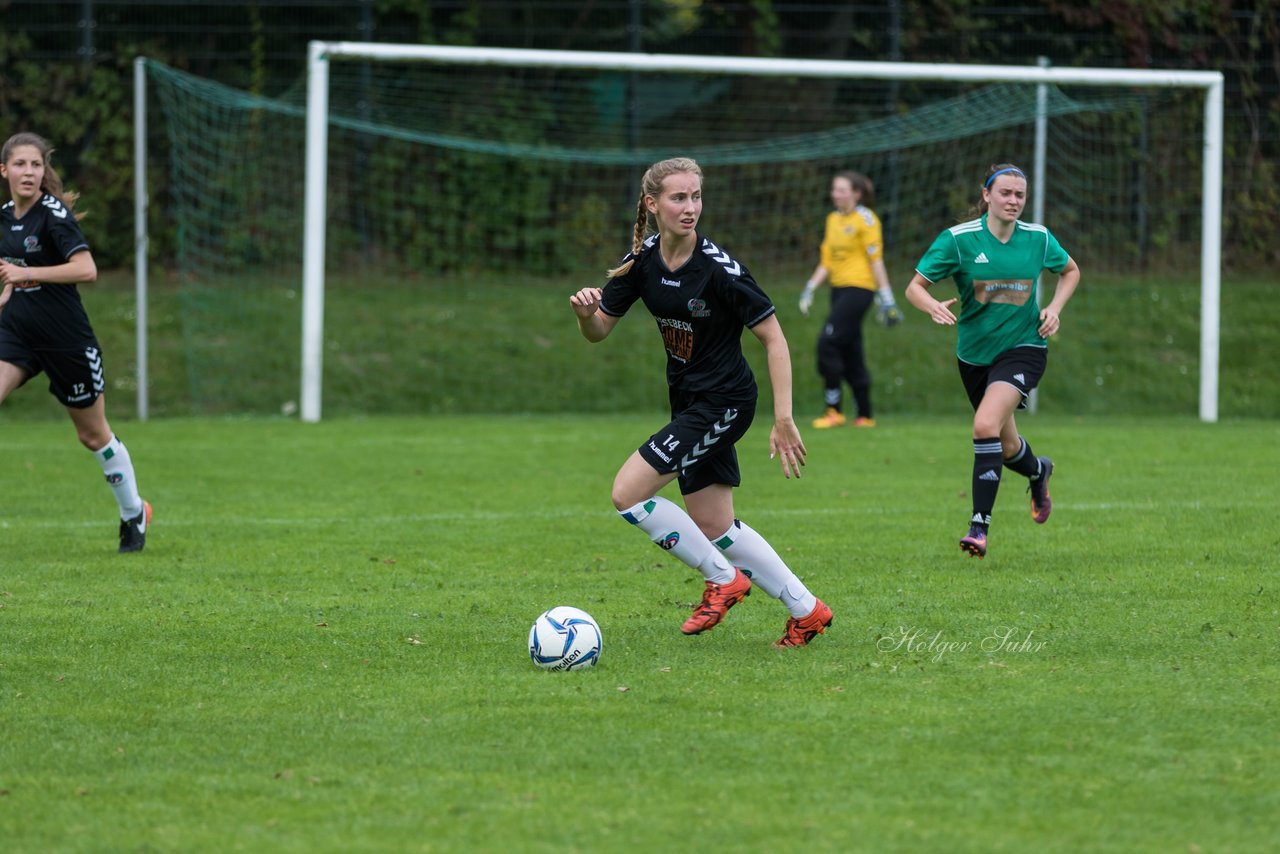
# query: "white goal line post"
[[320, 53]]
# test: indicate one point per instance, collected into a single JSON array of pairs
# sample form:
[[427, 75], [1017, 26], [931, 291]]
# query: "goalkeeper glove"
[[887, 313], [806, 298]]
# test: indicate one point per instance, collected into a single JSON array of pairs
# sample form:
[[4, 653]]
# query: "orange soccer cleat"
[[832, 418], [801, 630], [717, 599]]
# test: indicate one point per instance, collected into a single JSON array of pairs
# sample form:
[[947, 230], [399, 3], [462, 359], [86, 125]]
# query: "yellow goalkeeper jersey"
[[849, 245]]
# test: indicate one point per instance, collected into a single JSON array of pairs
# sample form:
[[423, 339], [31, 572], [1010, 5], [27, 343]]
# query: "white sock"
[[118, 468], [752, 553], [671, 529]]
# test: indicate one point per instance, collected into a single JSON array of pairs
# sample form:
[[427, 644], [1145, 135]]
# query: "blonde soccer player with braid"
[[702, 298]]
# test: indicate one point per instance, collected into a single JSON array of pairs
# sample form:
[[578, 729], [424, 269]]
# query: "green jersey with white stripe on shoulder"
[[997, 284]]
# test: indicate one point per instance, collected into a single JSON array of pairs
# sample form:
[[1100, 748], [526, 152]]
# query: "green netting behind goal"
[[449, 184]]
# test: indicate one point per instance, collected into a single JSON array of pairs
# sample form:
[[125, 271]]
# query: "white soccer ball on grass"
[[565, 638]]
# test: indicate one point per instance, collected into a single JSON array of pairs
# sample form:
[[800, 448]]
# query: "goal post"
[[315, 213], [321, 54], [414, 192]]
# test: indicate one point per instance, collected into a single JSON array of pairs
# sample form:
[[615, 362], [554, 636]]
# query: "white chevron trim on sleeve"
[[721, 257]]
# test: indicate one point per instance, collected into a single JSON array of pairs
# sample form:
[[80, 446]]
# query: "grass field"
[[323, 646]]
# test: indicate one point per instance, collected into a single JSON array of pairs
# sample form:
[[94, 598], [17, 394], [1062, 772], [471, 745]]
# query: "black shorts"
[[1020, 367], [76, 375], [698, 443]]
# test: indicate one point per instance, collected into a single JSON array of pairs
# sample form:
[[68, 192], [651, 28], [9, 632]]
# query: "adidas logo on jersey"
[[1022, 378], [981, 259]]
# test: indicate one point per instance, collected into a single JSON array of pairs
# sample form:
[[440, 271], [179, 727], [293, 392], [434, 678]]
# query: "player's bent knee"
[[94, 441]]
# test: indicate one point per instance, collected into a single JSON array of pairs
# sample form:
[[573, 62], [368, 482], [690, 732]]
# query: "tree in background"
[[84, 67]]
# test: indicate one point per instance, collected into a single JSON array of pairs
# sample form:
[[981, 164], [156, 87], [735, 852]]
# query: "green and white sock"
[[118, 468], [672, 530], [752, 553]]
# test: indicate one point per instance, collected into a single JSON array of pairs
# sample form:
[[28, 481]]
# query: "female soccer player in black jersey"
[[43, 325], [702, 299]]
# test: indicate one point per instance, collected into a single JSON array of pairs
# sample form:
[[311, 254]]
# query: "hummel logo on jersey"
[[95, 368], [989, 474], [981, 259], [721, 257], [1022, 378], [667, 281], [55, 207]]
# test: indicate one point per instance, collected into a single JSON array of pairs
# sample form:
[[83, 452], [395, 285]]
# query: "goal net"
[[458, 187]]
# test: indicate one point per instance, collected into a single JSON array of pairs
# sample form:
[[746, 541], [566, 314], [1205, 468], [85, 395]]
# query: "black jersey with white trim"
[[701, 310], [46, 236]]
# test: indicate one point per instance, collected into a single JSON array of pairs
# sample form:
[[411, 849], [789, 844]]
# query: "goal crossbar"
[[320, 53]]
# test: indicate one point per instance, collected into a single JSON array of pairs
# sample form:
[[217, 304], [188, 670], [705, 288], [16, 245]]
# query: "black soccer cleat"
[[133, 532]]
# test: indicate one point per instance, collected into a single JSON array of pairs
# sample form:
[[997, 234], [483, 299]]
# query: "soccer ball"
[[565, 638]]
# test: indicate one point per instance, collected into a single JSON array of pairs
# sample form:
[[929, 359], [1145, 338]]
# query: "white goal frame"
[[321, 53]]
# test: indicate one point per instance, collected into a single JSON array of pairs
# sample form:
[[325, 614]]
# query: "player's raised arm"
[[594, 324]]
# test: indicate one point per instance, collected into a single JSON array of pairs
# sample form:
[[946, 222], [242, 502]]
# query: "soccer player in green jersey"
[[996, 261]]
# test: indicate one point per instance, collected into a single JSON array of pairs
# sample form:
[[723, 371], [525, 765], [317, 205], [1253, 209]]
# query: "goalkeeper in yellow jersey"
[[852, 260]]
